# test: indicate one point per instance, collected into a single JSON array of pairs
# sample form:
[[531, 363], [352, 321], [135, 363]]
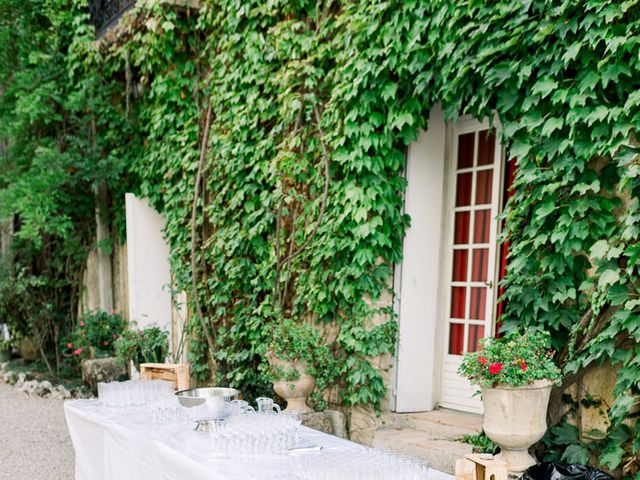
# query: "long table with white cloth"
[[110, 445]]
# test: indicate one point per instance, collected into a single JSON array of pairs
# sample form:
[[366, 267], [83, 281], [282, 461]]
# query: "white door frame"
[[420, 292], [417, 282]]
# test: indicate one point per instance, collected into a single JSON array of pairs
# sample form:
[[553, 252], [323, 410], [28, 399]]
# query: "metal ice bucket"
[[198, 396], [209, 405]]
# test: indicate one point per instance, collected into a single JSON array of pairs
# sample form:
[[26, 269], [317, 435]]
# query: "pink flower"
[[77, 351], [495, 368], [482, 360], [69, 345], [82, 324], [105, 343]]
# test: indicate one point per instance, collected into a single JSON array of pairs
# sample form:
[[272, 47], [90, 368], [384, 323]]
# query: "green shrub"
[[149, 345], [95, 335]]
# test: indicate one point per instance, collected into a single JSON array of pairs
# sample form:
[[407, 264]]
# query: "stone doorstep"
[[469, 422], [430, 436]]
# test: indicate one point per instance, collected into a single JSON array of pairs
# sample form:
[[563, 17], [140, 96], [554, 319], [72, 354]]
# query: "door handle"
[[489, 284]]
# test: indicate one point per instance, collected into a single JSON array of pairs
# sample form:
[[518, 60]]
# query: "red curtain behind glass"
[[510, 174]]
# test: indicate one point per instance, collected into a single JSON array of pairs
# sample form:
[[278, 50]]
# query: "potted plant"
[[291, 359], [515, 374]]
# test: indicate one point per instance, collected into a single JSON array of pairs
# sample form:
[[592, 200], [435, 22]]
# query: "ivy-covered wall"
[[288, 122]]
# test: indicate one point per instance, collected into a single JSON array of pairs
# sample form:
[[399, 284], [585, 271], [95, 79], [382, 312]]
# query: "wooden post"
[[178, 373]]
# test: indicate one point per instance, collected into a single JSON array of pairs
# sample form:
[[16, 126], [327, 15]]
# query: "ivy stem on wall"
[[292, 253], [194, 207]]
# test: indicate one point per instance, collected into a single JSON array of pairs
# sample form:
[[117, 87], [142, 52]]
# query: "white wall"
[[418, 305], [149, 272]]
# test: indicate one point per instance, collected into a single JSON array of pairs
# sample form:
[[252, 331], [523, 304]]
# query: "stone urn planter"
[[515, 418], [515, 373], [294, 391]]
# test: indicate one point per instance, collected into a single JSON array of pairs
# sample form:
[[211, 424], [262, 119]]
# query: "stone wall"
[[362, 420]]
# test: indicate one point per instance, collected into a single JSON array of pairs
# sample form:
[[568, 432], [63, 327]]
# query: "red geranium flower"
[[523, 364], [495, 368], [78, 351], [69, 345], [82, 324], [482, 360], [105, 343]]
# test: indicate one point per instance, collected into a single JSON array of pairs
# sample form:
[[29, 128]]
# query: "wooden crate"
[[481, 467], [178, 373]]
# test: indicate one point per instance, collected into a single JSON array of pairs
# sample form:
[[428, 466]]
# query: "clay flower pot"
[[515, 418], [295, 392]]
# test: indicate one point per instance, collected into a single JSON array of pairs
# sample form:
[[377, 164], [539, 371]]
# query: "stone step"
[[434, 437]]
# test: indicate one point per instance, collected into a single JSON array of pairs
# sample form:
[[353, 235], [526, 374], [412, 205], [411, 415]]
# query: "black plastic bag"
[[553, 471]]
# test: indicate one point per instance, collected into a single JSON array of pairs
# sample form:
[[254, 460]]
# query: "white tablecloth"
[[111, 446]]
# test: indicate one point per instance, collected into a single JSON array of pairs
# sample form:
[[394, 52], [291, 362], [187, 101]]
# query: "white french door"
[[475, 174]]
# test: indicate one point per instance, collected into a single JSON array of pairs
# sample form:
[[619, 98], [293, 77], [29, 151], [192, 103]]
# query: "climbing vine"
[[285, 202]]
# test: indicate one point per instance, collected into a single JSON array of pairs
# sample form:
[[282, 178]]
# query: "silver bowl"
[[208, 406], [198, 396]]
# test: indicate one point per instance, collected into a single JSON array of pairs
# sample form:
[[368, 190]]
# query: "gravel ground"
[[34, 440]]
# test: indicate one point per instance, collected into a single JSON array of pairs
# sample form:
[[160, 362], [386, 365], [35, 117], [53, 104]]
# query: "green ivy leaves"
[[562, 78]]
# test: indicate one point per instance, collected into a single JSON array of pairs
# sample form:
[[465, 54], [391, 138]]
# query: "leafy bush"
[[515, 359], [481, 443], [149, 345], [15, 296], [8, 344], [95, 335], [291, 340], [294, 341]]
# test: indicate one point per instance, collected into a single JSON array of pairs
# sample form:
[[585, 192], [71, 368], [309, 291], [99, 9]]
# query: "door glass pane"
[[481, 226], [476, 332], [486, 147], [478, 303], [465, 150], [458, 298], [456, 338], [460, 258], [480, 264], [461, 228], [463, 189], [484, 181]]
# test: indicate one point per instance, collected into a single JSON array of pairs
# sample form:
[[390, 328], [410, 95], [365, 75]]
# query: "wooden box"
[[178, 373], [481, 467]]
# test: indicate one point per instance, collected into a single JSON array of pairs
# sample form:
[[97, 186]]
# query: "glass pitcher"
[[266, 405], [243, 406]]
